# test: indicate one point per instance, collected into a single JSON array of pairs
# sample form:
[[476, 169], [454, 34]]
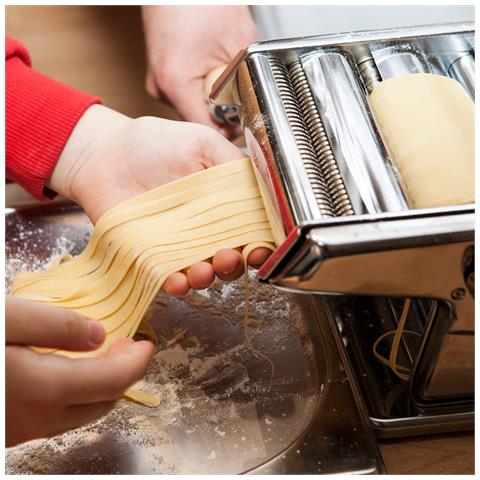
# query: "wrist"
[[92, 134]]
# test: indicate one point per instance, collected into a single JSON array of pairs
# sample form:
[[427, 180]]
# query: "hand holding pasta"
[[111, 158], [48, 394]]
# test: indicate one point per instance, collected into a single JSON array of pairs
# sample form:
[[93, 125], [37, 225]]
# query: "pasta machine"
[[350, 238]]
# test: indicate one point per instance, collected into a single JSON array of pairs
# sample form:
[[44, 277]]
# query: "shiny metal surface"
[[397, 61], [346, 39], [380, 252], [290, 50], [287, 153], [323, 151], [389, 402], [463, 70], [303, 45], [261, 148], [452, 55], [219, 413], [295, 116], [368, 176], [366, 66], [401, 258], [339, 254], [445, 367]]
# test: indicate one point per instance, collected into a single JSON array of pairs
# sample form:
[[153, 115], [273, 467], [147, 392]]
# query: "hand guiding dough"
[[111, 158], [138, 244]]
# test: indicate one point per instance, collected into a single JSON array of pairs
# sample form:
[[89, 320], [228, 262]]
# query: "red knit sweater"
[[40, 114]]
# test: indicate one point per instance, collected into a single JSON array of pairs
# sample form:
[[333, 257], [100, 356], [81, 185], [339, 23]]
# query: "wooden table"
[[451, 453], [100, 50]]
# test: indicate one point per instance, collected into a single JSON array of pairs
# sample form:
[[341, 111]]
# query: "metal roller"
[[297, 124], [321, 144]]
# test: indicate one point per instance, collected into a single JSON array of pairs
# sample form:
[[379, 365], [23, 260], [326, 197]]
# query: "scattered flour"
[[215, 394]]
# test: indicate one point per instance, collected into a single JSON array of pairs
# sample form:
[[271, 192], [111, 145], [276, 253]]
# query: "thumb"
[[42, 325]]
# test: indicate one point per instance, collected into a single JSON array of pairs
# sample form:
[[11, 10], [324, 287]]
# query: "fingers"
[[200, 275], [257, 257], [227, 264], [153, 90], [41, 325], [176, 285], [103, 379]]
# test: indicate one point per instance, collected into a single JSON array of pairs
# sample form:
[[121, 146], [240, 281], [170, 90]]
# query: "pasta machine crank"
[[348, 232]]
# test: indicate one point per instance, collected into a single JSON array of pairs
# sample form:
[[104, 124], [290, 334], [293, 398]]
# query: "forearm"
[[40, 115]]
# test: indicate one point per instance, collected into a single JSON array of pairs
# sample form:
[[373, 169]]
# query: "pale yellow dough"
[[427, 124], [136, 245]]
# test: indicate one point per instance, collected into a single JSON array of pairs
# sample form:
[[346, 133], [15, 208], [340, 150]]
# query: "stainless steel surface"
[[424, 424], [287, 153], [397, 61], [445, 367], [324, 155], [366, 65], [261, 148], [420, 256], [369, 178], [389, 402], [345, 39], [405, 248], [219, 413], [452, 55], [379, 251], [295, 117], [341, 40], [463, 70], [290, 50]]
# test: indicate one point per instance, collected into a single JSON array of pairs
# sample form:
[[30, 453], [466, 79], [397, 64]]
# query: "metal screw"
[[458, 294]]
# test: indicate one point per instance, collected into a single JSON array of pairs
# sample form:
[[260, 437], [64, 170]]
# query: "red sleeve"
[[40, 114]]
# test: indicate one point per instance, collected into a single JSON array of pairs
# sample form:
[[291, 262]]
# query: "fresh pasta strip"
[[400, 371], [255, 351], [136, 245], [143, 398]]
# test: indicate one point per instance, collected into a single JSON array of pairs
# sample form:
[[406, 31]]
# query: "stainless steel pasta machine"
[[351, 239]]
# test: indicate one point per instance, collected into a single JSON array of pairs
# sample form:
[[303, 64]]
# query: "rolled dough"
[[135, 246], [427, 124]]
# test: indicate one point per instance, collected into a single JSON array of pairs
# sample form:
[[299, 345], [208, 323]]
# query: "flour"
[[29, 248], [209, 398], [24, 261], [215, 395]]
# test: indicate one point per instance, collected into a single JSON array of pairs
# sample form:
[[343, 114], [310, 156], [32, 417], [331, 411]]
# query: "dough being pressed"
[[427, 124], [136, 245]]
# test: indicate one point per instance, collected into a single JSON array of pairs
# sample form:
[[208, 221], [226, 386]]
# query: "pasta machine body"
[[349, 234]]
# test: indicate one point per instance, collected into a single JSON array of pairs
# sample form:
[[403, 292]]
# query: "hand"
[[185, 43], [110, 158], [49, 394]]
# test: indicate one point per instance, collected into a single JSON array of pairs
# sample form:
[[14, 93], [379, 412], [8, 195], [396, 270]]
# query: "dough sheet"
[[427, 124]]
